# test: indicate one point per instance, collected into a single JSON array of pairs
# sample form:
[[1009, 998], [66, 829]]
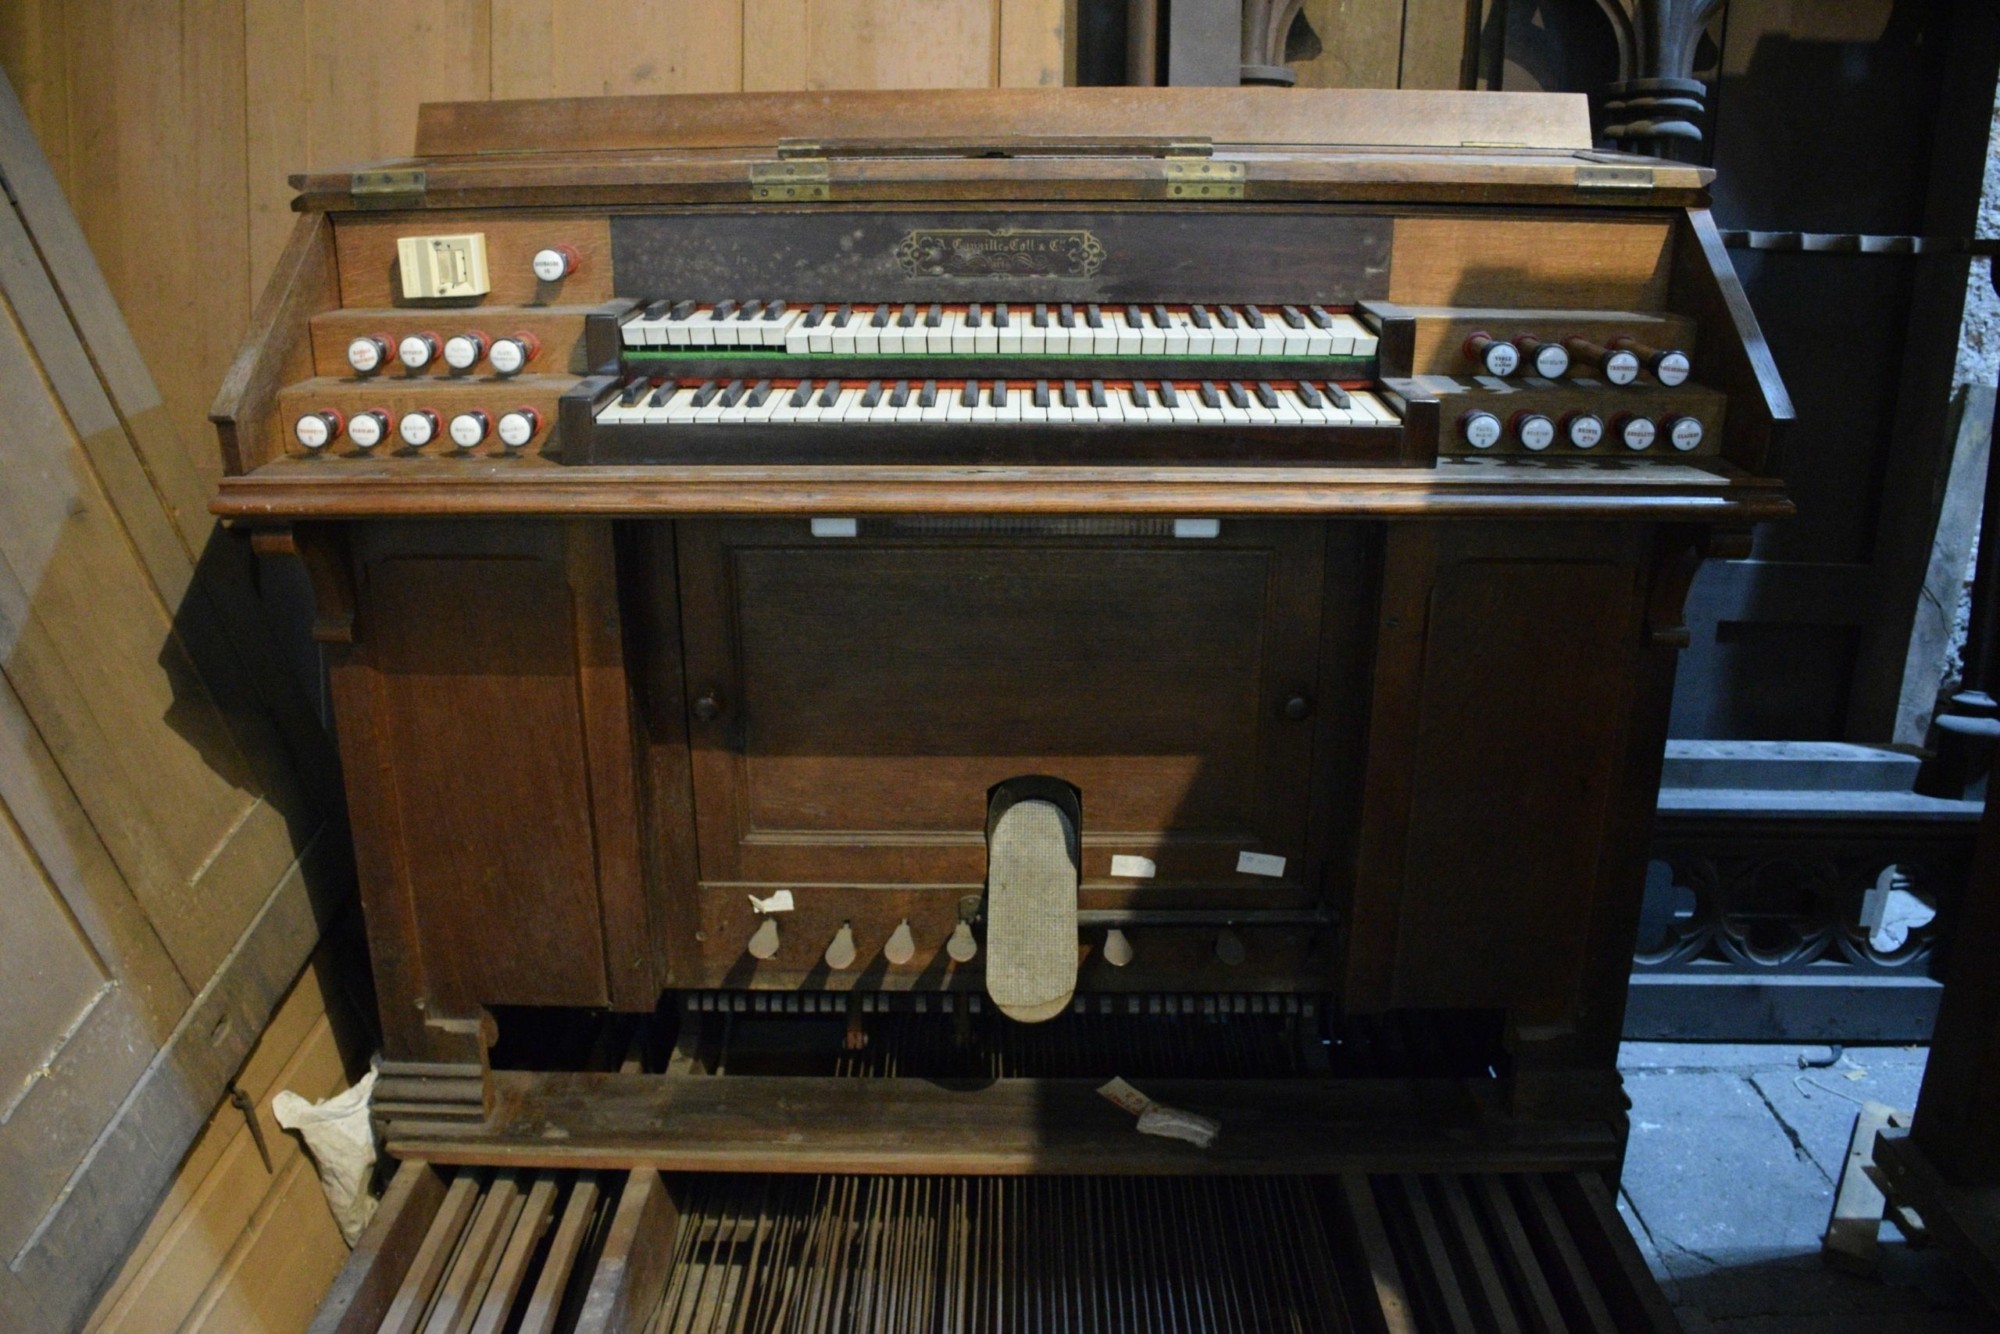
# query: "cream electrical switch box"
[[435, 266]]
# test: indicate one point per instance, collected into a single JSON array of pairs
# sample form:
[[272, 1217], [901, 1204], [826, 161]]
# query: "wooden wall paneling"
[[1037, 43], [901, 43], [1437, 35], [1600, 264], [34, 45], [1361, 44], [225, 1195], [774, 63]]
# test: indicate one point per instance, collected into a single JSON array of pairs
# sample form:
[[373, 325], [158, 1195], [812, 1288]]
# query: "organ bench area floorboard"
[[714, 504]]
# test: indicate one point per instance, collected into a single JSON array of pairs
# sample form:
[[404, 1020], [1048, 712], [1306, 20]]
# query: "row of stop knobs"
[[1618, 359], [416, 428], [1537, 431], [461, 352], [901, 947]]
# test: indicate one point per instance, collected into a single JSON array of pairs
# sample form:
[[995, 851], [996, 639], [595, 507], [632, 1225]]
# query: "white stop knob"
[[1672, 368], [368, 428], [1537, 432], [1637, 433], [463, 351], [1621, 368], [1586, 430], [366, 354], [1481, 429], [417, 351], [518, 427], [418, 428], [554, 263], [508, 356], [468, 429], [316, 430], [1685, 434]]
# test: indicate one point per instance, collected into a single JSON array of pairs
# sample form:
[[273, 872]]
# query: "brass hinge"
[[794, 181], [1614, 177], [1203, 178], [382, 188]]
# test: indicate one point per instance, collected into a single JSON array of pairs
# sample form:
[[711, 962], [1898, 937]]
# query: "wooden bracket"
[[322, 549]]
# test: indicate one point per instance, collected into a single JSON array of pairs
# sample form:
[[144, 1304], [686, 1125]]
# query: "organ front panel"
[[717, 507]]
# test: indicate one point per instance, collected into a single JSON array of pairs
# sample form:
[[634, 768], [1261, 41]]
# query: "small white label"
[[1197, 527], [415, 429], [414, 352], [1538, 433], [1586, 430], [1502, 359], [1141, 868], [778, 902], [1686, 434], [365, 430], [365, 356], [835, 527], [1482, 430], [550, 265], [1259, 863], [1673, 369], [461, 352], [1638, 434], [467, 430], [1551, 361], [1621, 368]]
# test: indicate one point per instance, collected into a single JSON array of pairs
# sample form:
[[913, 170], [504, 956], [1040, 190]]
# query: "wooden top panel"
[[1227, 116], [341, 488]]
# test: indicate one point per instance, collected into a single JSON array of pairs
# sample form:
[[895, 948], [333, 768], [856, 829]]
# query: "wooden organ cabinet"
[[713, 503]]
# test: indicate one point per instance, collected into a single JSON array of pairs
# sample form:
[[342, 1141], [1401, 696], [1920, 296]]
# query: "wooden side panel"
[[1531, 263], [1494, 756]]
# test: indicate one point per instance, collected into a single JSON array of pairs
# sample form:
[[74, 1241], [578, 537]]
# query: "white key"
[[1128, 341], [841, 339], [640, 331], [1203, 414], [781, 403], [813, 410], [1092, 342], [847, 407], [1117, 407], [982, 410], [1254, 406], [679, 409], [938, 338], [710, 411], [986, 338], [728, 330], [1007, 341], [778, 332], [1175, 335], [944, 407], [1030, 413], [1152, 338], [644, 411], [1184, 411], [1287, 412], [1055, 338], [1155, 412], [798, 338], [964, 338], [1298, 342], [912, 409], [765, 411], [1085, 410], [1265, 341], [1201, 342], [1371, 407], [1034, 339], [873, 340], [1319, 342], [1363, 342], [616, 413]]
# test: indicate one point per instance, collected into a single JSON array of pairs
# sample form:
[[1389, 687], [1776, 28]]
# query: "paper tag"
[[1126, 1096], [835, 527], [1259, 863], [1138, 867], [778, 902]]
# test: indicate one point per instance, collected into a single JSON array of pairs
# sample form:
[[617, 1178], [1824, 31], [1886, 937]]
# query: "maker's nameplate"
[[830, 254], [1007, 252]]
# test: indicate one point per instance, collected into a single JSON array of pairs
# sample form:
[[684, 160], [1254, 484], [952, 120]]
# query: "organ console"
[[1066, 687]]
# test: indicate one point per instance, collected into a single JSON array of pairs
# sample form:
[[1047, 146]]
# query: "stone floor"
[[1730, 1177]]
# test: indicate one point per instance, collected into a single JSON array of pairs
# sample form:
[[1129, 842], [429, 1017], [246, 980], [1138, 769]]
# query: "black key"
[[760, 392], [1041, 315], [968, 397], [1066, 315], [662, 394], [1000, 316], [1209, 397], [907, 317], [1253, 317], [1294, 317], [803, 393], [722, 311], [1133, 319], [998, 397], [1161, 319], [1097, 399], [873, 395], [1093, 316], [751, 310], [682, 309], [1320, 316], [973, 315], [935, 318], [774, 310], [1199, 314], [899, 397], [732, 395], [1041, 393], [1338, 395], [880, 319], [1230, 319], [928, 398], [814, 316], [657, 309], [831, 394], [708, 390], [1069, 393], [1140, 399], [842, 316], [1169, 396], [1309, 395], [1237, 396], [633, 390], [1267, 396]]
